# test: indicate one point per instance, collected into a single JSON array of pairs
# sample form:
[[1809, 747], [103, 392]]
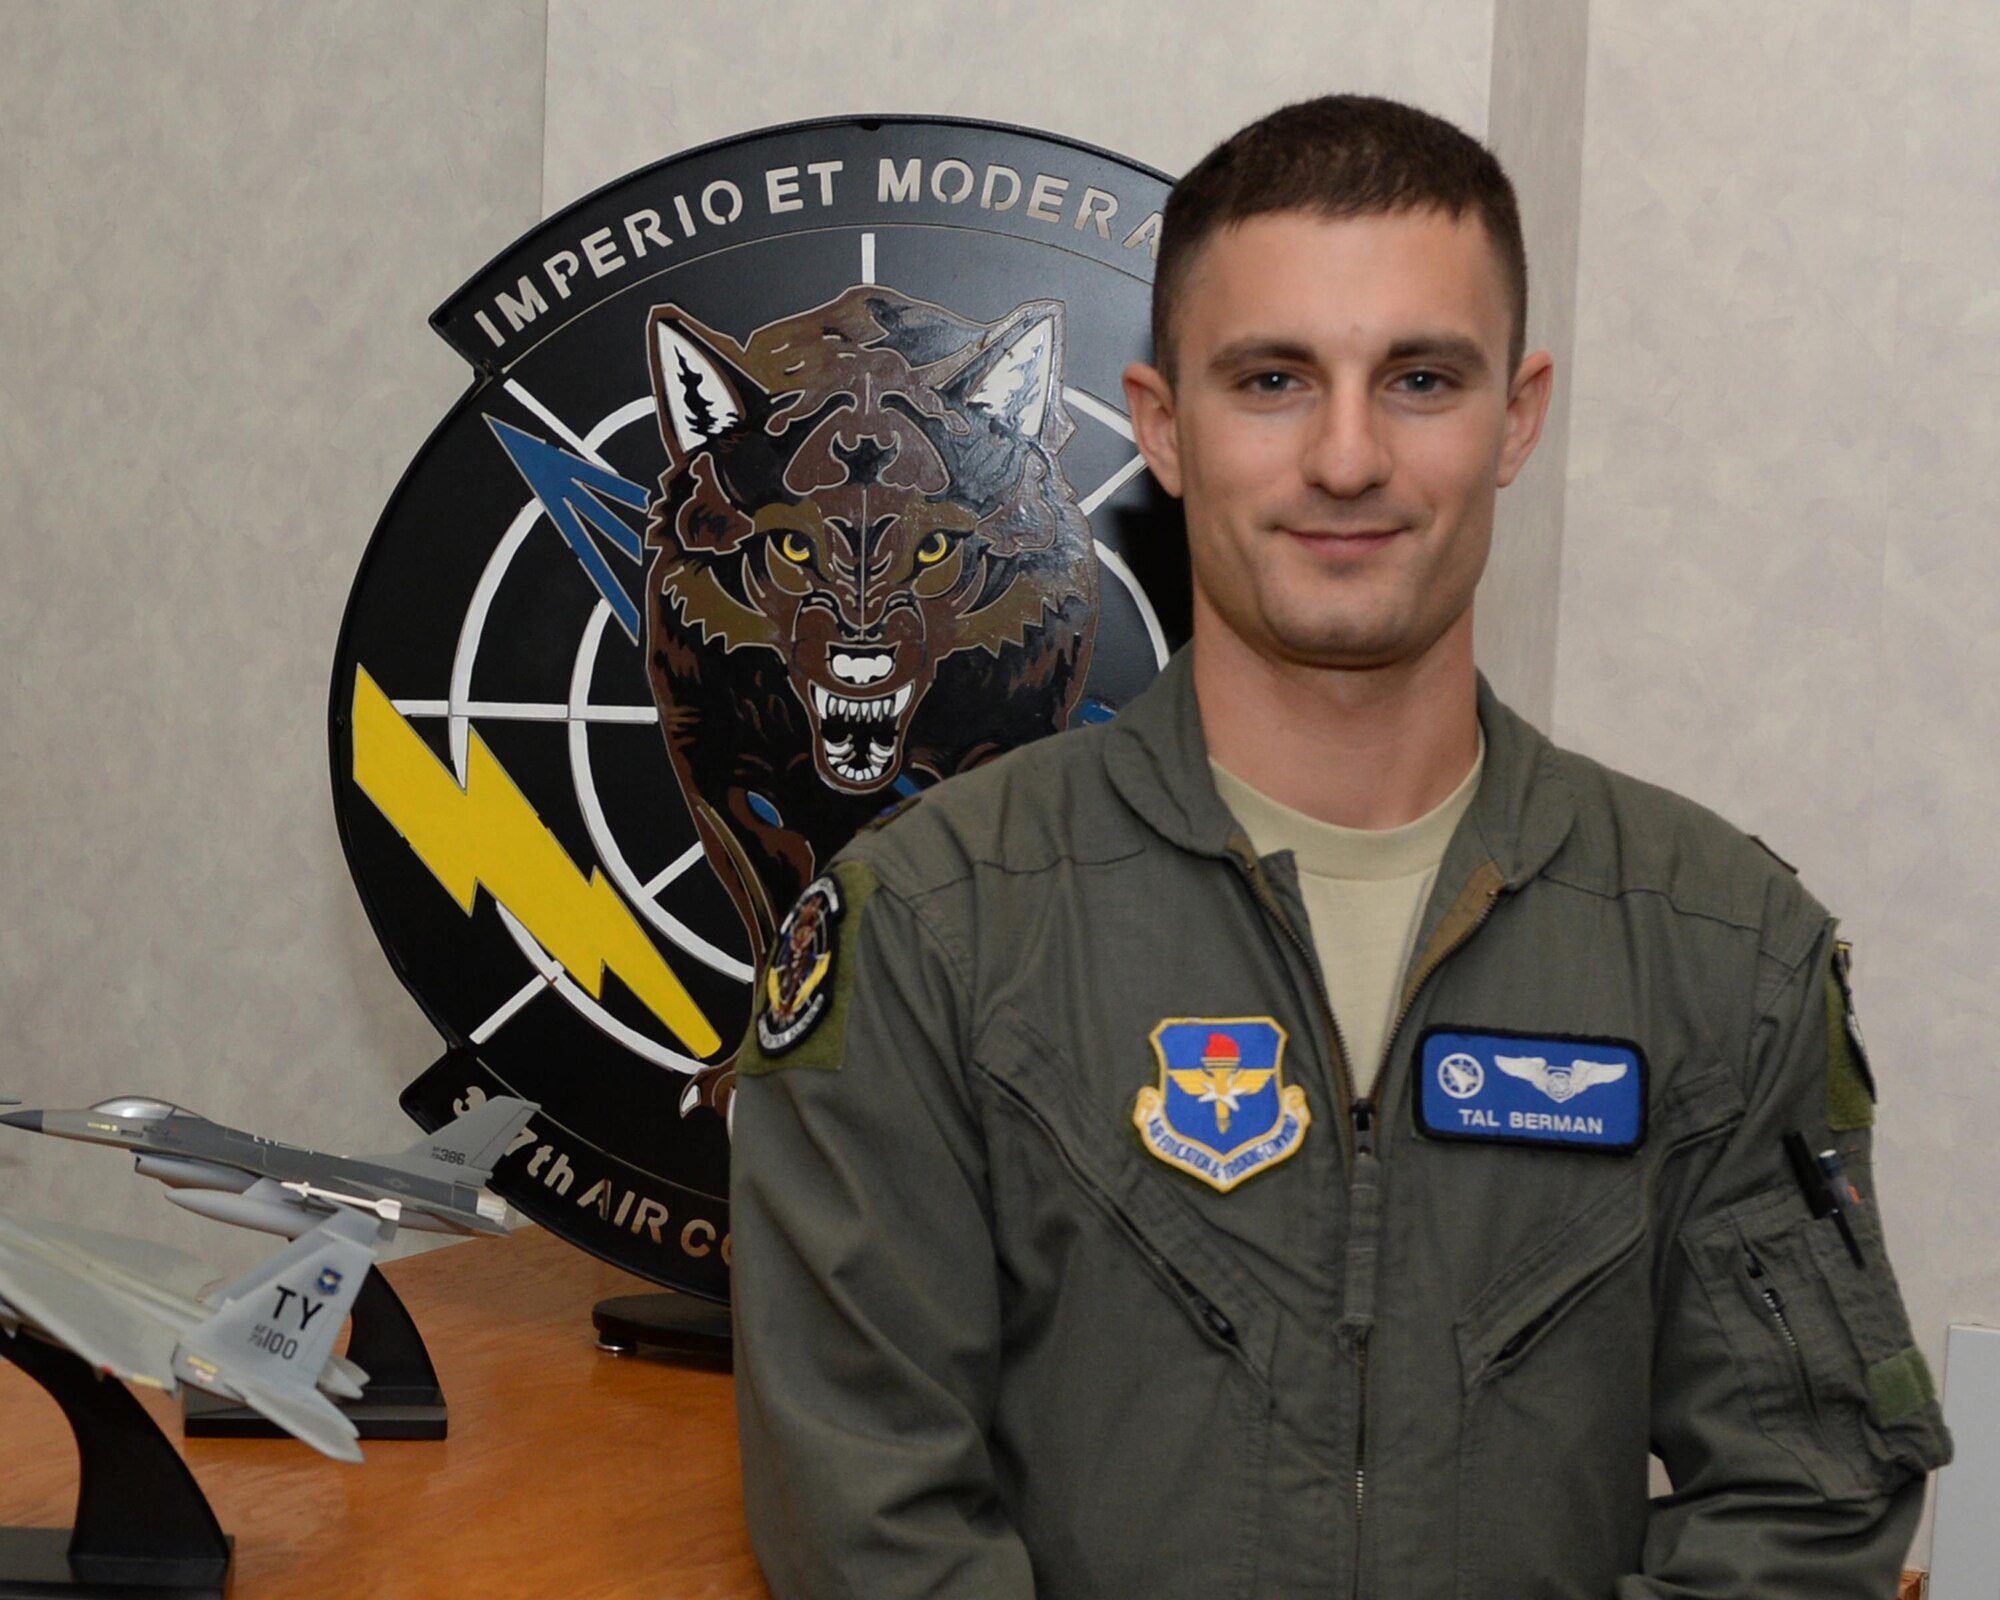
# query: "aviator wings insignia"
[[1560, 1083]]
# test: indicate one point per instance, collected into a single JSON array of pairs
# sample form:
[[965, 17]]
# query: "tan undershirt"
[[1365, 890]]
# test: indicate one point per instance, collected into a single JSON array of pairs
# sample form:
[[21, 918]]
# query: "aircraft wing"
[[161, 1264], [60, 1298]]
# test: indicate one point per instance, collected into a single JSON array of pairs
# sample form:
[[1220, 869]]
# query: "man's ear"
[[1527, 410], [1150, 400]]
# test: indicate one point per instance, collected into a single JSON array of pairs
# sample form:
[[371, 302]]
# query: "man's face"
[[1340, 421]]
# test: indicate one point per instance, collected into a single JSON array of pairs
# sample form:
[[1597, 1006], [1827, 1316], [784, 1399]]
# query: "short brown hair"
[[1342, 155]]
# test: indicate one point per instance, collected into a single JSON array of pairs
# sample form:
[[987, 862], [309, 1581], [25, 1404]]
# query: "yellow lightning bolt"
[[488, 833]]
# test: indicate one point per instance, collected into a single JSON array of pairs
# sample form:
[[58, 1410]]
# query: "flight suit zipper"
[[1357, 1310], [1468, 913], [1767, 1291]]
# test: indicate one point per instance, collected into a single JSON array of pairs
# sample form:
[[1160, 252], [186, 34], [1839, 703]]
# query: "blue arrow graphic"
[[568, 487]]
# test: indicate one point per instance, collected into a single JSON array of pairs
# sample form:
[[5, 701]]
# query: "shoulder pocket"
[[1823, 1347]]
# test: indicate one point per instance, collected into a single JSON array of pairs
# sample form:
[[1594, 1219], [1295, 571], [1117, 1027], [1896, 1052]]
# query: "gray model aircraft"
[[129, 1309], [434, 1186]]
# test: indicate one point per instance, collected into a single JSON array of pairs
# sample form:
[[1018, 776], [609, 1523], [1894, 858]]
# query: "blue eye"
[[1423, 382]]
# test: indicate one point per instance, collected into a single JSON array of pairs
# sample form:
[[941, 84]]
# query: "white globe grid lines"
[[580, 713]]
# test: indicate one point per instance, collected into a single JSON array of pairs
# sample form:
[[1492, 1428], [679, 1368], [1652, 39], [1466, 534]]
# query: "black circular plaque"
[[794, 478]]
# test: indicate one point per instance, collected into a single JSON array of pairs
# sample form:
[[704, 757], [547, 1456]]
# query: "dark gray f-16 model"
[[128, 1308], [435, 1186]]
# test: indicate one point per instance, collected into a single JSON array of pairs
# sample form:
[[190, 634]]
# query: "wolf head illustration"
[[868, 569]]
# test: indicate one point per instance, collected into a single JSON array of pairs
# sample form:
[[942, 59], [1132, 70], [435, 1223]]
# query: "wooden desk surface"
[[568, 1473]]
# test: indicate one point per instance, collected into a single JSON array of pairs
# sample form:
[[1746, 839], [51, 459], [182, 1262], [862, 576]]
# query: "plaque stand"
[[694, 1332]]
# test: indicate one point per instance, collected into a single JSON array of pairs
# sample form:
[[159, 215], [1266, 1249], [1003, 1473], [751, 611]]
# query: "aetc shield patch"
[[793, 478], [1221, 1109], [798, 985], [1531, 1089]]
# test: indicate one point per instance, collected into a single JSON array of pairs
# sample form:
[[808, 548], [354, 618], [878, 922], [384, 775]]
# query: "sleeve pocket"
[[1823, 1347]]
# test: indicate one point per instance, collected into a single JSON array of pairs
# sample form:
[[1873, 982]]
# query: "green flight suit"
[[990, 1345]]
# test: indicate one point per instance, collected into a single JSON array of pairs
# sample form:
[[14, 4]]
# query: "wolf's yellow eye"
[[934, 548], [795, 549]]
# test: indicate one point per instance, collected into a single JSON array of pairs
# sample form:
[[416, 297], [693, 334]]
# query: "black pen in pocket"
[[1821, 1180]]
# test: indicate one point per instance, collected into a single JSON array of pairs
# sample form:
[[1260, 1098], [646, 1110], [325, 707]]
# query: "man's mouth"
[[1344, 538], [858, 738]]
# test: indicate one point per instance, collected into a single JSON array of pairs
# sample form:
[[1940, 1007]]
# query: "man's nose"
[[1346, 453]]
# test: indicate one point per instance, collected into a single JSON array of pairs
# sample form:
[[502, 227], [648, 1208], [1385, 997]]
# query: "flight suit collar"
[[1157, 759]]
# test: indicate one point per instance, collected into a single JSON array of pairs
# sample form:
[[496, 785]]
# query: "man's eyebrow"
[[1258, 348], [1452, 348]]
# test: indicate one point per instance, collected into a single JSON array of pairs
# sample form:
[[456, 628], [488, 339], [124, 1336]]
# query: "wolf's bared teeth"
[[902, 698], [821, 698]]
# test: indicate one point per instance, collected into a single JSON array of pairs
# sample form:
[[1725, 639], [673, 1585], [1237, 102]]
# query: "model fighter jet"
[[434, 1186], [128, 1308]]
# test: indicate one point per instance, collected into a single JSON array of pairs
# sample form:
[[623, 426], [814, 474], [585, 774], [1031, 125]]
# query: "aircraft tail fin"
[[273, 1330], [469, 1147]]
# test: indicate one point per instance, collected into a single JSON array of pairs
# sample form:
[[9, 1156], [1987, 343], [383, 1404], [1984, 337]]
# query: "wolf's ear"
[[1018, 373], [700, 393]]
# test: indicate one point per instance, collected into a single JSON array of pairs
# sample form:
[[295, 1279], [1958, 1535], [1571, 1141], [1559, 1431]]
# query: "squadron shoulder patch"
[[797, 991], [1548, 1090], [807, 989], [1221, 1109]]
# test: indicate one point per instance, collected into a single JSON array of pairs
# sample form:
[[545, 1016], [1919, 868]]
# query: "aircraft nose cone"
[[31, 1120]]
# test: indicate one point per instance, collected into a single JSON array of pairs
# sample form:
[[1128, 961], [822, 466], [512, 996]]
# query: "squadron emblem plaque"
[[794, 478]]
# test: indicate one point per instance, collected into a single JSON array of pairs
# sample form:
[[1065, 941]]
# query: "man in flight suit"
[[1310, 1135]]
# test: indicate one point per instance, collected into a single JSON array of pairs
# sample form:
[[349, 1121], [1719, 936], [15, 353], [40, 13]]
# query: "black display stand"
[[678, 1325], [401, 1399], [144, 1530]]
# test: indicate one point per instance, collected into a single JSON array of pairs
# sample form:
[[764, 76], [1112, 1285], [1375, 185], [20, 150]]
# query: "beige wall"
[[631, 80], [1535, 126], [1781, 586], [226, 224]]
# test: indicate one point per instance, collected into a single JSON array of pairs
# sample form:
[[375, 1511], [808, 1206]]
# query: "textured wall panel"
[[631, 81], [1933, 743], [1535, 126], [1736, 303], [226, 224]]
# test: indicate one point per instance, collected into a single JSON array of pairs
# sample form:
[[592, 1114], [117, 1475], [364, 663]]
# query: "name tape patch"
[[1548, 1090]]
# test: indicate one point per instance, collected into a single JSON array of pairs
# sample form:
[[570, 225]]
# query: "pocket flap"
[[1533, 1295]]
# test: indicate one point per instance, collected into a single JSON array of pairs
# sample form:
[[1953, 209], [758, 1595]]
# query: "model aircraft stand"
[[401, 1399], [144, 1530]]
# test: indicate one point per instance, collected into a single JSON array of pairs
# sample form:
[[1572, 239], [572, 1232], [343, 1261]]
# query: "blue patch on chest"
[[1547, 1090]]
